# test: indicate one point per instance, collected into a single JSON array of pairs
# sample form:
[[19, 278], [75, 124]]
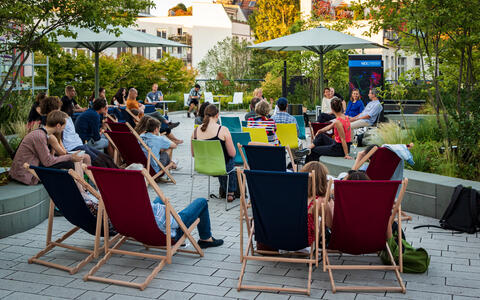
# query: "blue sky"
[[164, 5]]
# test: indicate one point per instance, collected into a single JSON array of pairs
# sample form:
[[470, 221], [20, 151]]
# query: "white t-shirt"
[[71, 139], [326, 108]]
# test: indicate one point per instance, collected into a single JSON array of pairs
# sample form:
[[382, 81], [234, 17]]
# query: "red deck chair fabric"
[[382, 164], [118, 127], [361, 213], [317, 126], [125, 196]]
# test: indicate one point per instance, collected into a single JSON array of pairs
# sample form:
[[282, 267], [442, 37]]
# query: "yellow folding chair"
[[287, 135], [257, 134]]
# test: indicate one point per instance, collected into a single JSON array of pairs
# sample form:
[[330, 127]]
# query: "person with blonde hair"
[[262, 120]]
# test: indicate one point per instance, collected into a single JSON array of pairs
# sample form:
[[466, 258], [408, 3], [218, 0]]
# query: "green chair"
[[232, 123], [301, 127], [243, 138], [209, 160]]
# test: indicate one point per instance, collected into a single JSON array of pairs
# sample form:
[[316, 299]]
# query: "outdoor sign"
[[365, 72]]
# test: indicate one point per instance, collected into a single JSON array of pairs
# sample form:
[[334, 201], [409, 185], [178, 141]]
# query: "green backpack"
[[415, 260]]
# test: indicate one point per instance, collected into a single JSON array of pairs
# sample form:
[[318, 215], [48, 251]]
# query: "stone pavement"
[[454, 271]]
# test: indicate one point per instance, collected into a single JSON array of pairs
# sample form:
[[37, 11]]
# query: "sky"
[[164, 5]]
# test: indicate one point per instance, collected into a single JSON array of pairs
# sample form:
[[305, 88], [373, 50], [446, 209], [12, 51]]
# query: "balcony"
[[184, 38]]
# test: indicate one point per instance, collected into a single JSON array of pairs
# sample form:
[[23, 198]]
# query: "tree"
[[32, 25], [273, 18]]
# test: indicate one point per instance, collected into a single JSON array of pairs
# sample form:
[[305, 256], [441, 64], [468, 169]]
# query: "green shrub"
[[389, 133], [427, 130], [272, 86]]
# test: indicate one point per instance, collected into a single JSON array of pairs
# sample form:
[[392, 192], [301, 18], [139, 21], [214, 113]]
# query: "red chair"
[[118, 127], [131, 214], [362, 215], [316, 126], [128, 145]]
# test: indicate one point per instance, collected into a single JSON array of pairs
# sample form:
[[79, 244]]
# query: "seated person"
[[355, 106], [119, 98], [340, 146], [370, 114], [326, 115], [282, 116], [69, 104], [34, 150], [194, 100], [154, 97], [88, 126], [159, 144], [261, 120], [201, 113], [211, 130], [35, 116], [252, 113], [197, 209]]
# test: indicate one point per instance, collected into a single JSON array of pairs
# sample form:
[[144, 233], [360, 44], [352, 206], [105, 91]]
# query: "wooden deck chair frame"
[[357, 165], [135, 118], [247, 167], [60, 241], [396, 210], [164, 259], [271, 255]]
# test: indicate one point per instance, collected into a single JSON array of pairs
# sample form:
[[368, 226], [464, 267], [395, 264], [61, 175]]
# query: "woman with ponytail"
[[210, 130]]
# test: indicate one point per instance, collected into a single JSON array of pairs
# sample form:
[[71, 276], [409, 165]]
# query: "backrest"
[[126, 116], [129, 147], [209, 158], [149, 108], [317, 126], [129, 207], [362, 210], [232, 123], [237, 98], [301, 127], [267, 158], [63, 191], [208, 97], [287, 135], [119, 127], [257, 134], [318, 110], [185, 99], [244, 123], [279, 206], [382, 164], [243, 138]]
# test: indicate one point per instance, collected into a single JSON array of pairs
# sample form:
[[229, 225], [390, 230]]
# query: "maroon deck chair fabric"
[[383, 164], [119, 127], [129, 148], [127, 203], [361, 213], [316, 126]]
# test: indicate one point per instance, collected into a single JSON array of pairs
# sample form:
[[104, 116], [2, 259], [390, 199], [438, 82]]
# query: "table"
[[164, 102], [219, 101]]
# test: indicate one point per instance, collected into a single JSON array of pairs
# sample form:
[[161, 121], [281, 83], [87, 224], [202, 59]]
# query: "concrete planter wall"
[[427, 194]]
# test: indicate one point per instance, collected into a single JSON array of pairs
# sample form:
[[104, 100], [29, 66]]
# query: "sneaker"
[[188, 115], [302, 152], [213, 243], [172, 125]]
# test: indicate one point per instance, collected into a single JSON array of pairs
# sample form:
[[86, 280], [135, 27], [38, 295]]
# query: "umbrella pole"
[[321, 78], [97, 79]]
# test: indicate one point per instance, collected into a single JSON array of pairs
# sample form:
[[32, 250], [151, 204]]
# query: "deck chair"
[[301, 127], [278, 221], [287, 135], [363, 212], [128, 116], [209, 160], [131, 214], [64, 194], [149, 108], [267, 157], [257, 134], [118, 127], [244, 123], [127, 144], [242, 138], [232, 123], [316, 126]]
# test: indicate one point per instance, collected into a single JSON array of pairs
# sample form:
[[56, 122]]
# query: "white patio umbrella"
[[97, 42], [319, 40]]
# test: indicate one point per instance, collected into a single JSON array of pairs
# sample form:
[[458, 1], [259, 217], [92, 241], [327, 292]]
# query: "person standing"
[[69, 104], [194, 100]]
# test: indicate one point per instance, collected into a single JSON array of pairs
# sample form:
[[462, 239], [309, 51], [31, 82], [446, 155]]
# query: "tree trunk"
[[459, 84]]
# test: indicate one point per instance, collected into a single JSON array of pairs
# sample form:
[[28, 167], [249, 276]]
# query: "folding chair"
[[118, 127], [131, 214], [65, 195], [257, 134], [186, 98], [209, 160], [267, 158], [127, 144], [287, 135], [301, 127], [363, 213], [232, 123], [316, 126], [128, 116], [278, 221], [242, 138]]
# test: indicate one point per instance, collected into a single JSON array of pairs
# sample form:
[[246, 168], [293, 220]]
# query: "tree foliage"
[[273, 18]]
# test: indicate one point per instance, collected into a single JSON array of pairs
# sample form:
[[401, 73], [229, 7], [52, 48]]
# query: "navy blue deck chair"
[[127, 116], [280, 220], [232, 123], [149, 108], [65, 195], [242, 138], [267, 158]]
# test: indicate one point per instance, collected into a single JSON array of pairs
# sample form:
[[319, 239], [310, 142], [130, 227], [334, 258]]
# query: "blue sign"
[[364, 63]]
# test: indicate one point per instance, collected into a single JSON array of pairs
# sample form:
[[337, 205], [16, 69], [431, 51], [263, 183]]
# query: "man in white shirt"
[[73, 142]]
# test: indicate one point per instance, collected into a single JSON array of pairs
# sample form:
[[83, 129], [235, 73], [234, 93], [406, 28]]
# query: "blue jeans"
[[232, 178], [92, 152], [197, 209], [101, 144]]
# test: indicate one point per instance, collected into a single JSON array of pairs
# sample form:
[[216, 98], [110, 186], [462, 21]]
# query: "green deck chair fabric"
[[301, 127], [243, 138], [232, 123], [209, 159]]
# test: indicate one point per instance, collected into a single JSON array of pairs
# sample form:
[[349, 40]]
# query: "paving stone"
[[62, 292], [207, 297], [127, 297], [23, 296], [40, 278], [419, 295], [20, 286], [206, 289], [176, 295], [443, 289], [149, 292], [271, 296], [242, 294], [93, 295], [4, 293]]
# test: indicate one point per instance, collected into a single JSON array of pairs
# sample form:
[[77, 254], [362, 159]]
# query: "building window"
[[159, 53], [179, 50], [417, 62], [402, 62], [179, 31], [162, 33], [141, 50]]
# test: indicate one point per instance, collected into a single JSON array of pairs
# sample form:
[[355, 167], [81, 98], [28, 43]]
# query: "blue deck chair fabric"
[[114, 111], [64, 192], [232, 123], [127, 117], [301, 127], [243, 138], [244, 123], [280, 213], [149, 108], [267, 158]]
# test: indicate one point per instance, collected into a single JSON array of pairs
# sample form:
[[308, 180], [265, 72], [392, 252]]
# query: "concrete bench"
[[427, 194], [22, 207]]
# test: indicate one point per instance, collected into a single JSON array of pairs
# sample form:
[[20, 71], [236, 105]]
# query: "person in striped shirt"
[[262, 120]]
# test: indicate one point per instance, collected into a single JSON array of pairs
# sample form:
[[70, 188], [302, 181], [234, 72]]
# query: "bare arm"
[[229, 142], [341, 134], [324, 129], [56, 145]]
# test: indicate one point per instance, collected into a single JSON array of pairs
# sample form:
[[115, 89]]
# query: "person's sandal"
[[213, 243]]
